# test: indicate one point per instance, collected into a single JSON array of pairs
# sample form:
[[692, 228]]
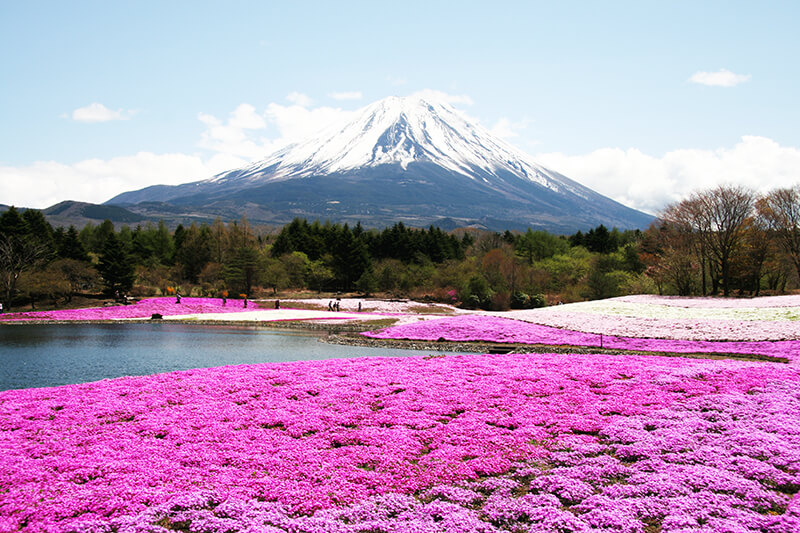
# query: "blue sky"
[[642, 101]]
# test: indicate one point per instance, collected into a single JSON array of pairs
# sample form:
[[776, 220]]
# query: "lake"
[[45, 355]]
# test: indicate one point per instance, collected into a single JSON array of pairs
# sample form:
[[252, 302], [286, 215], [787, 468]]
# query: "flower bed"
[[658, 309], [460, 443], [503, 330], [141, 309], [699, 319], [712, 302]]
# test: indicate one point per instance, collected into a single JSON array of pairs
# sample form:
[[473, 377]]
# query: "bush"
[[537, 300], [520, 300], [473, 301]]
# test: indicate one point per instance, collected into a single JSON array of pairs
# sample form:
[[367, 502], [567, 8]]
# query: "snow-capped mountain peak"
[[415, 159], [401, 130]]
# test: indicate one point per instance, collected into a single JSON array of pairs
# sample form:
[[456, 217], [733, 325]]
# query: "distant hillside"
[[78, 214]]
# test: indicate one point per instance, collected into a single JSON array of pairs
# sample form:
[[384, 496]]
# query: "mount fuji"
[[409, 159]]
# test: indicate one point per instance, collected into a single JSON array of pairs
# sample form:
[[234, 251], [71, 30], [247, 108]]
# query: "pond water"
[[45, 355]]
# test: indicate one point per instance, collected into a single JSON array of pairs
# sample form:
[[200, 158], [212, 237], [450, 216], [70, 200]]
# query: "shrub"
[[520, 300], [537, 300]]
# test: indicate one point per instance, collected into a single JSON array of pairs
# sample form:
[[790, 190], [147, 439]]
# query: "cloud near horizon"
[[636, 179], [721, 78], [299, 99], [45, 183], [650, 183]]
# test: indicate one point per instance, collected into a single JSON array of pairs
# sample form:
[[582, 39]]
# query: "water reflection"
[[43, 355]]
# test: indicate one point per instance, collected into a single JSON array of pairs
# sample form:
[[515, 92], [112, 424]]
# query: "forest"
[[727, 240]]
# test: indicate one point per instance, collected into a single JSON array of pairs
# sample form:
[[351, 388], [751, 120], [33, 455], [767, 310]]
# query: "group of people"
[[335, 306]]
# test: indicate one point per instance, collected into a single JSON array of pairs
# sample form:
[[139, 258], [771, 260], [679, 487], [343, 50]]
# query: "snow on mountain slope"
[[402, 130]]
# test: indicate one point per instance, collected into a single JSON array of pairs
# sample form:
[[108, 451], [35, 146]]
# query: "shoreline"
[[345, 333]]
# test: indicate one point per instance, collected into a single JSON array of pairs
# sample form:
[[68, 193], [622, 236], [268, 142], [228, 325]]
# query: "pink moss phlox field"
[[540, 442], [495, 329], [141, 309]]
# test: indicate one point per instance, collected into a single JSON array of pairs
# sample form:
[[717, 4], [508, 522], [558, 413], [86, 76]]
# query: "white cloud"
[[348, 95], [45, 183], [506, 129], [721, 78], [232, 137], [296, 122], [96, 112], [300, 99], [650, 183]]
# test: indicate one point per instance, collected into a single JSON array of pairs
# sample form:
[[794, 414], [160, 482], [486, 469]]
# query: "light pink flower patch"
[[711, 302]]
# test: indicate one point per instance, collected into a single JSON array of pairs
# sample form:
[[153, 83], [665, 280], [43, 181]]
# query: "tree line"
[[726, 240]]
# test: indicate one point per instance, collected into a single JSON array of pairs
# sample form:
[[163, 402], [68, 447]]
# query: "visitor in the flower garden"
[[245, 301], [177, 297], [277, 304]]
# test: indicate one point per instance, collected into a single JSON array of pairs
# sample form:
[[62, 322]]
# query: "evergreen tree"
[[100, 235], [20, 249], [602, 241], [243, 270], [195, 251], [71, 247], [178, 236], [116, 267], [12, 224], [38, 228]]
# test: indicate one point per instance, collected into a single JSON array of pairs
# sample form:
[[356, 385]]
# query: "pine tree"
[[116, 267], [71, 247]]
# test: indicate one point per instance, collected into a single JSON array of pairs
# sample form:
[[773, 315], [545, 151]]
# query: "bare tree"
[[781, 210], [716, 219], [680, 238], [16, 256]]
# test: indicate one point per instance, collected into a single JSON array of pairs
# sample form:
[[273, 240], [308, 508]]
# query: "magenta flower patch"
[[141, 309], [457, 443]]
